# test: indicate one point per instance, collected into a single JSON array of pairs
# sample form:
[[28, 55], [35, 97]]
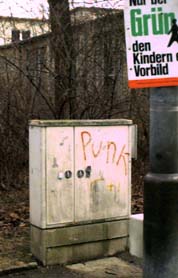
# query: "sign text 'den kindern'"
[[151, 25]]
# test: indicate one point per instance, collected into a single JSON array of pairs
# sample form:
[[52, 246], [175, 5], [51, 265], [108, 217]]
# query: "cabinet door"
[[60, 179], [102, 159]]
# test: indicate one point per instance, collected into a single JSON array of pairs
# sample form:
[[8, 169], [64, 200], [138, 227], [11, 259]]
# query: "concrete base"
[[78, 243], [136, 235]]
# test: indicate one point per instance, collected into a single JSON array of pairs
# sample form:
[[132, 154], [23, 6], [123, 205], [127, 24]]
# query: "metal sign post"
[[161, 187], [152, 56]]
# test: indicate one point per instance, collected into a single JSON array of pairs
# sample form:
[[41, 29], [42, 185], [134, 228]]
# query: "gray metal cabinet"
[[79, 171]]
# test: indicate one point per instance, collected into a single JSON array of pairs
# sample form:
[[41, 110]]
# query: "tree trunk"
[[63, 50]]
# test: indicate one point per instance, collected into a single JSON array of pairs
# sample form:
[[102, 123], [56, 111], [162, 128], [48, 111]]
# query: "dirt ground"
[[121, 266], [14, 228]]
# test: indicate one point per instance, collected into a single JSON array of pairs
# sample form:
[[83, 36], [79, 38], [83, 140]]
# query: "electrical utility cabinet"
[[80, 180]]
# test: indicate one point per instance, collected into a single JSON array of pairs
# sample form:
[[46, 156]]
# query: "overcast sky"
[[38, 8]]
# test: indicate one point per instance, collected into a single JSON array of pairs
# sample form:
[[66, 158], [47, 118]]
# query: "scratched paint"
[[55, 165], [93, 183], [110, 187], [59, 176]]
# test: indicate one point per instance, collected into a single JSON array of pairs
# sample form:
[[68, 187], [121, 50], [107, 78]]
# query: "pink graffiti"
[[113, 154]]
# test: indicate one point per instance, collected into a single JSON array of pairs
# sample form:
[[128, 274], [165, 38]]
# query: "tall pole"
[[161, 187]]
